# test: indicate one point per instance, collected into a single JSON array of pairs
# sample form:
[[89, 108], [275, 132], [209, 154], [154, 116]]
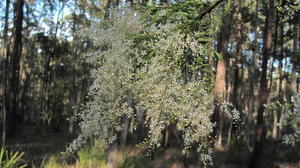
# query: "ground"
[[39, 144]]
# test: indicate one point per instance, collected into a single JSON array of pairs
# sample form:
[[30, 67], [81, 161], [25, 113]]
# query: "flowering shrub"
[[165, 94], [143, 69]]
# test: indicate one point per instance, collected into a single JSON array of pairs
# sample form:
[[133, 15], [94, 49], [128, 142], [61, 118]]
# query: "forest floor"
[[39, 144]]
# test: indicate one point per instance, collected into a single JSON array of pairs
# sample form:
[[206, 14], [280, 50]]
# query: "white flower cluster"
[[112, 85], [129, 73], [166, 97], [231, 113]]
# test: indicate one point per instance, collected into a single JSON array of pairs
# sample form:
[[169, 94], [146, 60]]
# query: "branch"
[[208, 10]]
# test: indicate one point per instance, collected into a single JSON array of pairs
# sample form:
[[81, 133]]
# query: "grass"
[[10, 159], [93, 157]]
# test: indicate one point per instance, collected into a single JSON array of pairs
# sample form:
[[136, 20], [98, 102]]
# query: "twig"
[[208, 10]]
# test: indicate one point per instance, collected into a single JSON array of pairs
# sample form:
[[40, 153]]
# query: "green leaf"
[[203, 40], [227, 7], [10, 160], [182, 13], [219, 56]]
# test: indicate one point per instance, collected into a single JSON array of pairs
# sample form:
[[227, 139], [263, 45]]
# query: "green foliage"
[[91, 155], [290, 11], [184, 13], [292, 124], [52, 163], [10, 159]]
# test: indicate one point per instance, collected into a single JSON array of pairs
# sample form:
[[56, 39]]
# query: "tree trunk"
[[294, 70], [276, 133], [25, 71], [220, 82], [4, 54], [124, 132], [270, 82], [260, 132], [73, 97], [15, 66], [235, 92], [252, 84], [112, 156], [220, 96], [23, 101]]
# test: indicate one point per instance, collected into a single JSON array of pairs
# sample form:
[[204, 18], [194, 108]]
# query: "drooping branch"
[[208, 10]]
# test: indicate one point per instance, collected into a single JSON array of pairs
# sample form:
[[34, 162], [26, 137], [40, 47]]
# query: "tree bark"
[[15, 66], [112, 156], [252, 84], [260, 132], [276, 133], [236, 81], [124, 132], [220, 82], [25, 71], [220, 96]]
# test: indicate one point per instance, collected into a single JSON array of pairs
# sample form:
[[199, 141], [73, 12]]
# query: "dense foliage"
[[292, 125], [145, 76]]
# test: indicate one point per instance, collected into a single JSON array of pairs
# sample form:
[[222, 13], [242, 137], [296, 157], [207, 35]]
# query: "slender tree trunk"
[[4, 54], [23, 96], [112, 156], [260, 132], [270, 82], [15, 66], [220, 82], [25, 71], [294, 70], [124, 132], [276, 133], [126, 124], [235, 92], [73, 97], [253, 72], [275, 41]]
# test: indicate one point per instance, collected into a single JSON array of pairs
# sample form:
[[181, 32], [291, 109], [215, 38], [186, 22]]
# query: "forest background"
[[220, 77]]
